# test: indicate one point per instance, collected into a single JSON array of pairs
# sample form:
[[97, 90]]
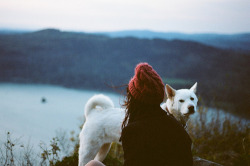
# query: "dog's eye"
[[181, 100], [192, 98]]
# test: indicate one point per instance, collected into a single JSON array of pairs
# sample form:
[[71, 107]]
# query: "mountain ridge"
[[234, 41], [238, 42], [82, 60]]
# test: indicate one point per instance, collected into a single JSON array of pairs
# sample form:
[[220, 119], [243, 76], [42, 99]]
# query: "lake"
[[25, 115], [34, 113]]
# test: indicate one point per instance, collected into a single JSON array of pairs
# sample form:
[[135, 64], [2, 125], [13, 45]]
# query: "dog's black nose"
[[191, 109]]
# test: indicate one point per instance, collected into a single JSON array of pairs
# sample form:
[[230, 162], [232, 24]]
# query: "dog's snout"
[[191, 109]]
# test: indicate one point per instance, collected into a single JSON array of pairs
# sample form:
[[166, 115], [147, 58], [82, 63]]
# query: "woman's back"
[[156, 139]]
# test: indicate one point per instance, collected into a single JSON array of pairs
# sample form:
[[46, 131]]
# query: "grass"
[[221, 140], [115, 156]]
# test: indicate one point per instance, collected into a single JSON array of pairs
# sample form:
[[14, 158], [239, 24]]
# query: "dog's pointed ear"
[[165, 97], [194, 88], [170, 91]]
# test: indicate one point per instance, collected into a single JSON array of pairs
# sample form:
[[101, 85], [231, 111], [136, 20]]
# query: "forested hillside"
[[82, 60]]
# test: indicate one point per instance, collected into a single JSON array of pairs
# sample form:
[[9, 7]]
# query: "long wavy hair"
[[133, 109], [128, 108]]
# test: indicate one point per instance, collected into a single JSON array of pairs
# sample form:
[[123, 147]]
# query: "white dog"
[[181, 103], [103, 121]]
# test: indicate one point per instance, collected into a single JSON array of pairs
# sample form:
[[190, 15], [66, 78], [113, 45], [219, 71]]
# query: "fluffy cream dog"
[[103, 121]]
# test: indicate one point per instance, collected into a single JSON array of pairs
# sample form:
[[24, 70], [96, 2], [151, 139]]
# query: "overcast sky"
[[189, 16]]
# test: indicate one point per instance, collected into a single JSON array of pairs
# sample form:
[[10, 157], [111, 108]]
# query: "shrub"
[[224, 140]]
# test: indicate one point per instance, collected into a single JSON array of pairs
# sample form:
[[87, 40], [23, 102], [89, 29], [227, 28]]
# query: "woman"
[[149, 135]]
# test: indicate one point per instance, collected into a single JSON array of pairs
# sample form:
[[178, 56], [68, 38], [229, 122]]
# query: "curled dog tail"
[[98, 100]]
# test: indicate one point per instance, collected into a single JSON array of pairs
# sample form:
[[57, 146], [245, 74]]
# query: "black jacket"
[[156, 139]]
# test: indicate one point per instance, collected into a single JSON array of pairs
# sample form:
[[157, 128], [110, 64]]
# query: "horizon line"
[[122, 30]]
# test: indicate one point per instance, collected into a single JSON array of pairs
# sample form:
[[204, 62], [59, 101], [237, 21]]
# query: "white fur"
[[101, 128], [179, 102], [103, 122]]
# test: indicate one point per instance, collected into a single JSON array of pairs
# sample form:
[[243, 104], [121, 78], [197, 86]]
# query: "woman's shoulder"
[[133, 127], [149, 124], [160, 118]]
